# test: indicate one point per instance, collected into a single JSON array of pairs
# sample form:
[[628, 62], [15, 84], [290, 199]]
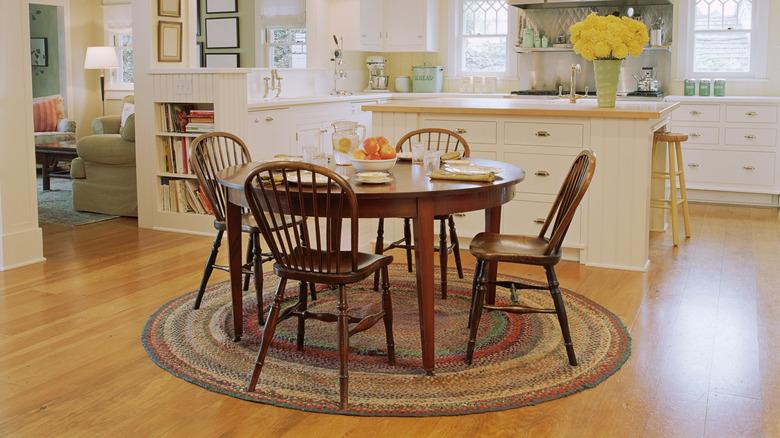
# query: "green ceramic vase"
[[607, 76]]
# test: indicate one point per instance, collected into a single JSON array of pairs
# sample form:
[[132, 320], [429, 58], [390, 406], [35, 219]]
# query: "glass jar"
[[690, 87], [719, 87], [346, 139], [705, 86]]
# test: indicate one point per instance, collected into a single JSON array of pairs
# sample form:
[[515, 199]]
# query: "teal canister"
[[690, 87], [719, 87], [528, 38], [705, 86]]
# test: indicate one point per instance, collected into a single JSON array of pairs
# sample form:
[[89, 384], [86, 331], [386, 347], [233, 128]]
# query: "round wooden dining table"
[[412, 194]]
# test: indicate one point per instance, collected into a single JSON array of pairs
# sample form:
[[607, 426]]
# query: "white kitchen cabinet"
[[386, 25], [269, 133], [371, 25]]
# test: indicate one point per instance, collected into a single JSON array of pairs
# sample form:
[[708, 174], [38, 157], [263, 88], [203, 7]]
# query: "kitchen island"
[[612, 226]]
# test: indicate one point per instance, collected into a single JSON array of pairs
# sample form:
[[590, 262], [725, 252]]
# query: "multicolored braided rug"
[[519, 361]]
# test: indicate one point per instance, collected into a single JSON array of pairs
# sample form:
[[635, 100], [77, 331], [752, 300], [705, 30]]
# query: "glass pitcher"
[[346, 138]]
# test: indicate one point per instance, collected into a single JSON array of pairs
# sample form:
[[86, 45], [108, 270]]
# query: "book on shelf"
[[183, 196], [174, 156], [174, 116], [200, 127]]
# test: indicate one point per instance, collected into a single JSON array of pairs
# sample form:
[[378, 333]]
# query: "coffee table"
[[49, 154]]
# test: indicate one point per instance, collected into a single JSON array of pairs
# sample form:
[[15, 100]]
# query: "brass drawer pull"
[[693, 165], [695, 113], [269, 119], [750, 137], [540, 220], [695, 135], [461, 131], [542, 173], [751, 168], [542, 134], [751, 113], [459, 214]]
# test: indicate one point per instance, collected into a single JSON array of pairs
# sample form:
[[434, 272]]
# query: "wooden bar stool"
[[674, 143]]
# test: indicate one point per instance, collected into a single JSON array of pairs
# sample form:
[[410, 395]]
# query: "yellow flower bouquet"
[[607, 41]]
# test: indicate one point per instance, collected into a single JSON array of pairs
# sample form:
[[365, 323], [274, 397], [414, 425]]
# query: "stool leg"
[[683, 191], [673, 193]]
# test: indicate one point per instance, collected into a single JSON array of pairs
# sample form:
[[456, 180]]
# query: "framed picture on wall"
[[222, 60], [169, 41], [221, 6], [199, 54], [39, 52], [222, 33], [169, 8]]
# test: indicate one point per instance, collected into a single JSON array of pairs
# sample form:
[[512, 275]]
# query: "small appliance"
[[377, 80]]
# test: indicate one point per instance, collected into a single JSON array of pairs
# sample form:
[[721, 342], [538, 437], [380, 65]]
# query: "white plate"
[[470, 169], [320, 180], [373, 177], [405, 156]]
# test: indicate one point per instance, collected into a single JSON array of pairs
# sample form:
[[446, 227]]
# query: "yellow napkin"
[[452, 155], [486, 177]]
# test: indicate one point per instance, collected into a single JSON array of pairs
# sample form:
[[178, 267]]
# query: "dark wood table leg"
[[423, 251], [45, 171], [235, 262], [492, 225]]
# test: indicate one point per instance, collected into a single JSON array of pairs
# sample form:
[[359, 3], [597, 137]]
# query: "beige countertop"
[[585, 108]]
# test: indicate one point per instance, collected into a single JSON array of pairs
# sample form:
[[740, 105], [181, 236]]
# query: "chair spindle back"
[[569, 197], [434, 138], [277, 203], [211, 153]]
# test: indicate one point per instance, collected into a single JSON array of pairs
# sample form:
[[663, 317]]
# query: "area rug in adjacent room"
[[55, 206], [520, 359]]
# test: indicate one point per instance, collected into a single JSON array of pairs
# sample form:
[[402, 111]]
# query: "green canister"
[[705, 86], [690, 87], [719, 87]]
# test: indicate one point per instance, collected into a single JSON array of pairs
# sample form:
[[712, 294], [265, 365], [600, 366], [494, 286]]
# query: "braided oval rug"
[[519, 361]]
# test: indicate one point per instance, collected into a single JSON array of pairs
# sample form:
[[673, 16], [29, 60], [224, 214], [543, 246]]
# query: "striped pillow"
[[47, 112]]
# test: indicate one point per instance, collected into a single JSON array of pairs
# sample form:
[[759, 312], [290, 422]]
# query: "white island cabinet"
[[612, 226]]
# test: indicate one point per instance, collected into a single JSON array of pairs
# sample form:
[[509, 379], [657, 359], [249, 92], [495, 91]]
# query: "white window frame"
[[270, 46], [759, 40], [113, 74], [454, 69]]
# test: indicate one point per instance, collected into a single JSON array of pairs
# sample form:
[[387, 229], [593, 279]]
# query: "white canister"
[[403, 84], [479, 84], [467, 84], [491, 84]]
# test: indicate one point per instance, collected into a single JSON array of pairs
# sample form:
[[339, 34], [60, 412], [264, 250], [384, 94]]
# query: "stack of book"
[[183, 196], [200, 121]]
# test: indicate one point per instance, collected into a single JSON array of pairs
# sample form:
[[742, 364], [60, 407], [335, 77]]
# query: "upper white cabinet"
[[386, 25]]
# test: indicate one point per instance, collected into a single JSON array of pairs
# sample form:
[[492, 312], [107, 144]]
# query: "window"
[[483, 37], [287, 47], [725, 38], [122, 78]]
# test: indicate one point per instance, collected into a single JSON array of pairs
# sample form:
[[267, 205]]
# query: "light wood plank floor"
[[705, 322]]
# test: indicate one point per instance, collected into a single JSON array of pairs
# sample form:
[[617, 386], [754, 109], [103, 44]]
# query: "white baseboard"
[[734, 198], [621, 267], [21, 248]]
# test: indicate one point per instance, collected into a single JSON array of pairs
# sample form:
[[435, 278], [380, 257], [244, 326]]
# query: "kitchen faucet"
[[275, 84], [573, 96]]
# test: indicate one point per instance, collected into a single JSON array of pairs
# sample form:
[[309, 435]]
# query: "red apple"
[[387, 152], [371, 146]]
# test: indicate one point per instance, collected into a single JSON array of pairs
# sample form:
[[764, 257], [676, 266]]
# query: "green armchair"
[[104, 179]]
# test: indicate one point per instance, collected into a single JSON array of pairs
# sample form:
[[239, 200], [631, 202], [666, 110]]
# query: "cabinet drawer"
[[729, 167], [697, 113], [543, 134], [544, 174], [751, 114], [699, 134], [474, 131], [527, 217], [751, 136]]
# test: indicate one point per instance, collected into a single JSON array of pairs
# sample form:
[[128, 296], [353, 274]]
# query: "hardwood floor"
[[705, 322]]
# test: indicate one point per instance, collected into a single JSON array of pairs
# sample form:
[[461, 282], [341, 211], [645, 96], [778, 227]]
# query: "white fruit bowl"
[[373, 165]]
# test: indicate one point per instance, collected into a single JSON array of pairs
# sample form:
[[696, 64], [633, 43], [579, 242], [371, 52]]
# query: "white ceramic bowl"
[[373, 165]]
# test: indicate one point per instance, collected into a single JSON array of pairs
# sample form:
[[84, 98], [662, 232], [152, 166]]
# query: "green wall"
[[44, 23], [246, 31]]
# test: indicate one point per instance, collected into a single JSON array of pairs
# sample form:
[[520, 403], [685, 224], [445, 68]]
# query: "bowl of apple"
[[376, 155]]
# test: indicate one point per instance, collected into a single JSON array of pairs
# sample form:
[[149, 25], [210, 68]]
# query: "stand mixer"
[[377, 80]]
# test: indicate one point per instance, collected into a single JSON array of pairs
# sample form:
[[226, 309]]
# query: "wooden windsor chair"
[[446, 141], [314, 254], [538, 251], [210, 154]]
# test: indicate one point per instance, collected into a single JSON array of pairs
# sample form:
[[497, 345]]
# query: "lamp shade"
[[99, 58]]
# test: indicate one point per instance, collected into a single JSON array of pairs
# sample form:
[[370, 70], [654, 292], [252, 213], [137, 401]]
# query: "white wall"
[[20, 237]]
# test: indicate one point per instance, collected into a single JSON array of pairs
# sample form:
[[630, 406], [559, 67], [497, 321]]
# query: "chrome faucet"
[[273, 83], [573, 96]]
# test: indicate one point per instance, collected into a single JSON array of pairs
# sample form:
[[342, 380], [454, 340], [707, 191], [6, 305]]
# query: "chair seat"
[[249, 224], [496, 247], [670, 137], [367, 264]]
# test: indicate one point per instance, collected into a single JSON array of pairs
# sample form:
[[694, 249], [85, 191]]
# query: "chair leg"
[[268, 333], [250, 247], [683, 190], [673, 194], [477, 272], [443, 257], [379, 247], [343, 323], [303, 299], [208, 269], [387, 307], [455, 246], [479, 300], [408, 243], [257, 271], [560, 310], [307, 243]]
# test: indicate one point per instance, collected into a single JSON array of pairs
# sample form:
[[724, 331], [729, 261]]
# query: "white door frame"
[[64, 48]]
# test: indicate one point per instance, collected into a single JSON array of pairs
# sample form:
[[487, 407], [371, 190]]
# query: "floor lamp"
[[101, 58]]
